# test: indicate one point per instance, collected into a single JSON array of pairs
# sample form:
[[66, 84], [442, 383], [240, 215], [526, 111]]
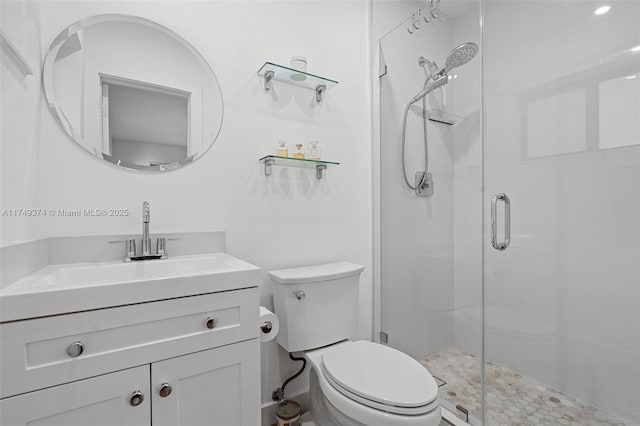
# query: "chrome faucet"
[[146, 218], [130, 244]]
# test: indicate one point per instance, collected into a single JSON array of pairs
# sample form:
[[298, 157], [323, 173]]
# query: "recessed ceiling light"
[[631, 77], [602, 10], [636, 49]]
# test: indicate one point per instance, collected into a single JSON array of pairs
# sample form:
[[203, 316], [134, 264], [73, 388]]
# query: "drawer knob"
[[136, 398], [75, 349], [165, 390], [212, 322]]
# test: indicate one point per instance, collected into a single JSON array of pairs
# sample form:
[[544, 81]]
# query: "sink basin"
[[76, 287], [80, 275]]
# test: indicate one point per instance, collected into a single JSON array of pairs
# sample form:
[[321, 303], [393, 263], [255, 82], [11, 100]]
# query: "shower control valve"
[[424, 184]]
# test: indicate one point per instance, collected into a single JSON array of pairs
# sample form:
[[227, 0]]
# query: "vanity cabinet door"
[[107, 400], [217, 387]]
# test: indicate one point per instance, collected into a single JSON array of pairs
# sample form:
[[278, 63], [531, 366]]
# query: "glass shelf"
[[271, 71], [271, 160]]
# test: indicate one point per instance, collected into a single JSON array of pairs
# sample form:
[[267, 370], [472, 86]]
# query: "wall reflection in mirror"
[[133, 93], [588, 111]]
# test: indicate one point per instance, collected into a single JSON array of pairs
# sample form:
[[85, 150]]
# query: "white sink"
[[70, 288], [81, 275]]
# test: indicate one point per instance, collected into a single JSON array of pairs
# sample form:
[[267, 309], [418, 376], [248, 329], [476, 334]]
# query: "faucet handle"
[[161, 246], [129, 248]]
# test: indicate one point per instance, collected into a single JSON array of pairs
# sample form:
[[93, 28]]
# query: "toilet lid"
[[379, 373]]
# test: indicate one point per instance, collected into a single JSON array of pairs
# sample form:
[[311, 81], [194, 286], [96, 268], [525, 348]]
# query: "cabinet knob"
[[136, 398], [75, 349], [165, 390], [212, 322]]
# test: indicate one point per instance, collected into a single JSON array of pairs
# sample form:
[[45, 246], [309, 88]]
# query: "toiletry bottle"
[[282, 150], [299, 151], [314, 151]]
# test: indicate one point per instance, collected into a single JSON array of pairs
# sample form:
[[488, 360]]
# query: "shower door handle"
[[507, 222]]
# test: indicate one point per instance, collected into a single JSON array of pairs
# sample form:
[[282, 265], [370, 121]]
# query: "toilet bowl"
[[365, 383], [353, 383]]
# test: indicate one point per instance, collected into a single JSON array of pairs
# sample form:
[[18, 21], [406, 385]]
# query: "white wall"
[[289, 219], [19, 134]]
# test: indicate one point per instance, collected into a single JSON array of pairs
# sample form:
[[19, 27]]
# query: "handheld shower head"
[[439, 82], [459, 56]]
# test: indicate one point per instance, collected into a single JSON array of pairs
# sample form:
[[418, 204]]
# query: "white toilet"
[[351, 383]]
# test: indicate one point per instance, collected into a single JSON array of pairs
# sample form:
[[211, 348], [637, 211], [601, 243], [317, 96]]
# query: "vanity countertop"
[[58, 289]]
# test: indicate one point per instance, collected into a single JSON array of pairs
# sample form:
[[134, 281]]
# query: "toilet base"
[[307, 419], [322, 411]]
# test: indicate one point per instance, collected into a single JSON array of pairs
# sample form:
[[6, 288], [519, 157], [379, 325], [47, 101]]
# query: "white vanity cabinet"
[[100, 401], [218, 387], [185, 361]]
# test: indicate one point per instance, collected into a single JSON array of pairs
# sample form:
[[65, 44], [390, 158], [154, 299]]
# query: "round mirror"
[[132, 92]]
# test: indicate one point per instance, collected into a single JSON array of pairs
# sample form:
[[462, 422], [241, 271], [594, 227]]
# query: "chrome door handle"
[[507, 222]]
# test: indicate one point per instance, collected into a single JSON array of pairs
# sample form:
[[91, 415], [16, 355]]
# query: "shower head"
[[459, 56], [439, 82]]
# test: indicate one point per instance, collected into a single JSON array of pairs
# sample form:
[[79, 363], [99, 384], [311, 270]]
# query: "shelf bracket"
[[268, 76], [267, 166], [319, 169], [320, 89]]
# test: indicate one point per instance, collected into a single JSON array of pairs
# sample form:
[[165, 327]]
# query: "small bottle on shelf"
[[299, 151], [282, 150], [314, 151]]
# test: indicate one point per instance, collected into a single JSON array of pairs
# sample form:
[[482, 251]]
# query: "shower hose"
[[426, 144]]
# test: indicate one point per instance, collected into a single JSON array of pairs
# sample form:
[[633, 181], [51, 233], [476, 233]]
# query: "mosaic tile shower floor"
[[513, 399]]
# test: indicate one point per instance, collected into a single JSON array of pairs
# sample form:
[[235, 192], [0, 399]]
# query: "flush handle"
[[299, 294]]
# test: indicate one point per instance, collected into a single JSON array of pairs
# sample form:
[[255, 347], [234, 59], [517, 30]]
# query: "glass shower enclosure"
[[517, 283]]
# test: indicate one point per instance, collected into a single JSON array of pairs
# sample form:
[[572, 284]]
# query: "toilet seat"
[[380, 377]]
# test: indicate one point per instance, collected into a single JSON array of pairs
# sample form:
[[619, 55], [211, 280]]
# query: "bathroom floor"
[[513, 399]]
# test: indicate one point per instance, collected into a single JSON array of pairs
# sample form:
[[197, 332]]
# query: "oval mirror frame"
[[48, 81]]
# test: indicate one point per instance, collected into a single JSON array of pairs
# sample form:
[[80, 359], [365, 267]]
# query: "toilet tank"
[[316, 305]]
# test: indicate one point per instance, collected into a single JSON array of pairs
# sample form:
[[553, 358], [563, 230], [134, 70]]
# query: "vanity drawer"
[[43, 352]]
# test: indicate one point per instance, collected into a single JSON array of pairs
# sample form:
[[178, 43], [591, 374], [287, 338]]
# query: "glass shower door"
[[561, 97], [431, 247]]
